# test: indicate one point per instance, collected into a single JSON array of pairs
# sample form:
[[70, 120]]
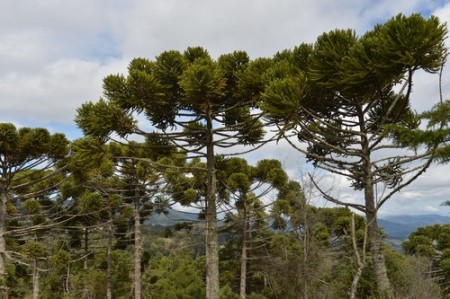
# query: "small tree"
[[245, 187]]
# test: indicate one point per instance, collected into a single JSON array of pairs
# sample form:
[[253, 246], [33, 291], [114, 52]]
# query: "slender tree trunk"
[[67, 281], [109, 261], [85, 263], [305, 251], [3, 214], [137, 246], [245, 238], [212, 238], [360, 261], [35, 279]]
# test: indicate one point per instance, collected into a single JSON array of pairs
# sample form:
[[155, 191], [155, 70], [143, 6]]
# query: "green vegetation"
[[74, 216]]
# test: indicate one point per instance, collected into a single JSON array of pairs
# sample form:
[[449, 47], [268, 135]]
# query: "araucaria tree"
[[244, 186], [342, 96], [29, 169], [191, 100]]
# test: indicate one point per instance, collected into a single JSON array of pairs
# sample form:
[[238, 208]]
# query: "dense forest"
[[169, 140]]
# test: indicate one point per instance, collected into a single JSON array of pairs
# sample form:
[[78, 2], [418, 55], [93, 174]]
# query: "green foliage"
[[201, 81], [279, 104], [26, 144], [175, 276], [32, 206], [99, 119], [90, 203], [227, 293], [414, 42], [33, 250], [432, 242]]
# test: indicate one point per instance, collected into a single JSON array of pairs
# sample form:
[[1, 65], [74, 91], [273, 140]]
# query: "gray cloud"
[[54, 54]]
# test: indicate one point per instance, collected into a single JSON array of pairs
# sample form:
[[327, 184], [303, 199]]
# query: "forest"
[[170, 140]]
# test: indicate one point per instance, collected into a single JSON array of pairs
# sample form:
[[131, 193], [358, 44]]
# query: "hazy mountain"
[[399, 227], [170, 218]]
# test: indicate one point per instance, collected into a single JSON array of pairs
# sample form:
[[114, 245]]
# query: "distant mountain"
[[400, 226], [397, 228], [170, 218]]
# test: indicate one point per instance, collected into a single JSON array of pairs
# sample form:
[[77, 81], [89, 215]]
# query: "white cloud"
[[54, 55], [430, 209], [53, 94]]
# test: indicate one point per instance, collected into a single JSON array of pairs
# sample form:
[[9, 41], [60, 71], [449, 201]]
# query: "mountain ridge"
[[397, 227], [400, 226]]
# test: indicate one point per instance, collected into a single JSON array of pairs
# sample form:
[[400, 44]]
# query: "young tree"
[[245, 186], [142, 184], [28, 157], [340, 95], [190, 99]]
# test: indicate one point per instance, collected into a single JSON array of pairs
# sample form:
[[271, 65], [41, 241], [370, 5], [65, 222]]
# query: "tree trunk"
[[85, 263], [355, 282], [374, 237], [137, 246], [3, 214], [375, 242], [212, 238], [67, 281], [109, 261], [35, 279], [379, 265], [245, 238], [305, 252], [373, 231], [360, 261]]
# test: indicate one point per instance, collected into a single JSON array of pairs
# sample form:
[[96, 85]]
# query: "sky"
[[54, 55]]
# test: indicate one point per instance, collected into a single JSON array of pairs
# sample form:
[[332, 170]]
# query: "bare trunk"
[[245, 238], [375, 242], [3, 214], [305, 253], [85, 263], [355, 281], [109, 261], [379, 265], [67, 281], [360, 261], [137, 247], [35, 279], [212, 238]]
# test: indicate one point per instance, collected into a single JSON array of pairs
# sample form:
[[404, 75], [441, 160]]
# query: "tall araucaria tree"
[[196, 102], [29, 159], [342, 95]]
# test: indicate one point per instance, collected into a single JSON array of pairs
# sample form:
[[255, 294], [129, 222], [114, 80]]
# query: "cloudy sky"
[[54, 54]]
